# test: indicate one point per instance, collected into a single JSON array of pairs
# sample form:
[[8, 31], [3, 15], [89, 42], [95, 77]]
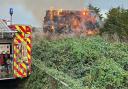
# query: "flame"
[[85, 12], [51, 12], [60, 11], [52, 27], [91, 32]]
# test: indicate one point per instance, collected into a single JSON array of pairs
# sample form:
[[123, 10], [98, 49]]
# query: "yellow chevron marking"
[[28, 40], [22, 40], [15, 41], [18, 74], [14, 53], [25, 74], [21, 70], [18, 28], [28, 32], [29, 57], [24, 27], [14, 56], [14, 47], [16, 50], [28, 48], [24, 66], [15, 64]]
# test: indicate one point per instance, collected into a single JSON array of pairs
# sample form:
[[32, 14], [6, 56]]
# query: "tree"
[[116, 23], [96, 10]]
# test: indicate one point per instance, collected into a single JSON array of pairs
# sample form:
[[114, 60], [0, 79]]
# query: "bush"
[[116, 24], [96, 63]]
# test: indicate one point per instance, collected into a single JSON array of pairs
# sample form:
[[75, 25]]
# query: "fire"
[[52, 27], [51, 12], [60, 11], [75, 21], [91, 32], [85, 12]]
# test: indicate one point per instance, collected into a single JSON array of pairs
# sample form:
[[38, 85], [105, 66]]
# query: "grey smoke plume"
[[38, 7]]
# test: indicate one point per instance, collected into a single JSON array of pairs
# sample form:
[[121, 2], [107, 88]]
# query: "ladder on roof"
[[2, 27]]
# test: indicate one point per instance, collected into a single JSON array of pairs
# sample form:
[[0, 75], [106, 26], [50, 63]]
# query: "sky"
[[31, 12]]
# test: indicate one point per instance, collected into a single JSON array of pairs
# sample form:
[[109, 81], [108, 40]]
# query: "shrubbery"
[[95, 63], [116, 24]]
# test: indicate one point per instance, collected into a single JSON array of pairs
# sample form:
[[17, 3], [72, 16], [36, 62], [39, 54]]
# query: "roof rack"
[[4, 29]]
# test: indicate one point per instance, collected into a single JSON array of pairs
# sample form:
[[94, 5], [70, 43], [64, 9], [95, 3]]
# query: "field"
[[79, 63]]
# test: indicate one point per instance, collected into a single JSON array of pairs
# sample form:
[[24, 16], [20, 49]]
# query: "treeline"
[[116, 24]]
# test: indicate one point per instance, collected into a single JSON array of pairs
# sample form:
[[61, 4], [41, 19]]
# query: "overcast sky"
[[31, 12]]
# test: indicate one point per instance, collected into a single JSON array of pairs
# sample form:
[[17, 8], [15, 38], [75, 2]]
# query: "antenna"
[[11, 13]]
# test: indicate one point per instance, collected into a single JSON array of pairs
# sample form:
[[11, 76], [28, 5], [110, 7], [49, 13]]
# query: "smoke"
[[38, 7]]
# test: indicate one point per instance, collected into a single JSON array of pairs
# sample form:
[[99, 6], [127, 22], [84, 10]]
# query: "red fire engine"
[[15, 51]]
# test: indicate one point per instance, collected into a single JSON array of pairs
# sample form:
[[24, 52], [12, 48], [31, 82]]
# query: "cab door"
[[6, 60]]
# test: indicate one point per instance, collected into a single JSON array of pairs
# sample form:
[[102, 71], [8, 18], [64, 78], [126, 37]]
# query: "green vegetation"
[[83, 63], [117, 23], [79, 63]]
